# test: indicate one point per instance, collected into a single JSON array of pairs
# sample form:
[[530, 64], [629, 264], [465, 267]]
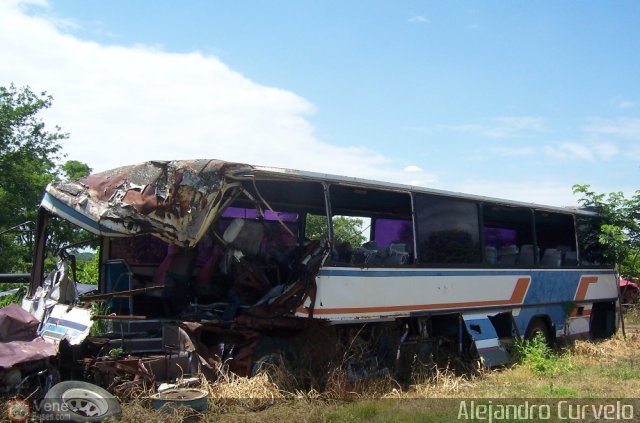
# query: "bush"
[[539, 357]]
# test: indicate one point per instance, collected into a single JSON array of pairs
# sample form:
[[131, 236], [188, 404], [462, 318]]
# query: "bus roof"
[[347, 180], [178, 200]]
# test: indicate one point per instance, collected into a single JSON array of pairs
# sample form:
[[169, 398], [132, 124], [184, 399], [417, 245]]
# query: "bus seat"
[[491, 254], [245, 235], [209, 268], [526, 255], [570, 258], [368, 253], [397, 254], [552, 257], [508, 254], [343, 252]]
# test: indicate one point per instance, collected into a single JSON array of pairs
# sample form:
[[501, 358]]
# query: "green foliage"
[[100, 326], [345, 229], [74, 169], [87, 270], [28, 155], [316, 227], [348, 230], [620, 231], [16, 297], [539, 357]]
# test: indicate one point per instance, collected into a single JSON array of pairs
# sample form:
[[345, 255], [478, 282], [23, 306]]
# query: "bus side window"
[[376, 225], [555, 233], [509, 231], [447, 230]]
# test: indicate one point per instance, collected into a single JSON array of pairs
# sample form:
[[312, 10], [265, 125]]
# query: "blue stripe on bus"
[[368, 273], [53, 321], [72, 213]]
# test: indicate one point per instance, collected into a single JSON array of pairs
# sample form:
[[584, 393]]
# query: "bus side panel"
[[348, 293]]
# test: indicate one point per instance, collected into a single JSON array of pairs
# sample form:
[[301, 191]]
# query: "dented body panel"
[[175, 201]]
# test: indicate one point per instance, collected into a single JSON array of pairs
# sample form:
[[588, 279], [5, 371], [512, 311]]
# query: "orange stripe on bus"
[[576, 312], [517, 297], [583, 287]]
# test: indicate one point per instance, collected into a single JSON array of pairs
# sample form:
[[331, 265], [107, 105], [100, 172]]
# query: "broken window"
[[556, 239], [371, 226]]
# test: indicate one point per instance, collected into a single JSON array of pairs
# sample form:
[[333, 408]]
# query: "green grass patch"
[[396, 410], [539, 357], [554, 391]]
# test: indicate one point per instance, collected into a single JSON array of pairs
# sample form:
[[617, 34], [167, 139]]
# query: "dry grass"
[[262, 399], [607, 350], [609, 366]]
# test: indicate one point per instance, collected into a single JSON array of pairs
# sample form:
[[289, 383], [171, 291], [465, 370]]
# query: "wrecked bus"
[[217, 261]]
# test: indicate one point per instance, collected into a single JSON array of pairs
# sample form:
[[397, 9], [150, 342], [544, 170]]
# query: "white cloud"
[[418, 19], [605, 150], [569, 151], [413, 169], [621, 127], [124, 105], [626, 104], [417, 176], [514, 125], [499, 127], [588, 151]]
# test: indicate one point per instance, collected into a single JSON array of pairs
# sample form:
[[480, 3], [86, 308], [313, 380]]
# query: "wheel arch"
[[535, 322]]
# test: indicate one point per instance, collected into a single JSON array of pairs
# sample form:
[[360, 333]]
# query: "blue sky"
[[510, 99]]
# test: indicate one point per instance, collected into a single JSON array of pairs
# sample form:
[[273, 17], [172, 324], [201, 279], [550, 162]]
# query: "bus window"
[[508, 235], [396, 235], [447, 230], [371, 227], [556, 239], [591, 251]]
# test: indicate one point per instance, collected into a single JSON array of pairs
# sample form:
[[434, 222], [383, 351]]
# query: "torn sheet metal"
[[65, 323], [174, 200], [54, 306], [486, 340]]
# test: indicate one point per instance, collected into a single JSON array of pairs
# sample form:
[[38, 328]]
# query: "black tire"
[[76, 401], [271, 352], [539, 326]]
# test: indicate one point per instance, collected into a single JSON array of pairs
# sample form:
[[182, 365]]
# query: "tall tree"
[[29, 152], [73, 169]]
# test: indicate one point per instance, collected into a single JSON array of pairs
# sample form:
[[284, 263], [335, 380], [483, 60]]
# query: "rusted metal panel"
[[174, 200]]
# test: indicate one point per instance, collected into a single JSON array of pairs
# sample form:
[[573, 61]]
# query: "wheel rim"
[[85, 402], [264, 362]]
